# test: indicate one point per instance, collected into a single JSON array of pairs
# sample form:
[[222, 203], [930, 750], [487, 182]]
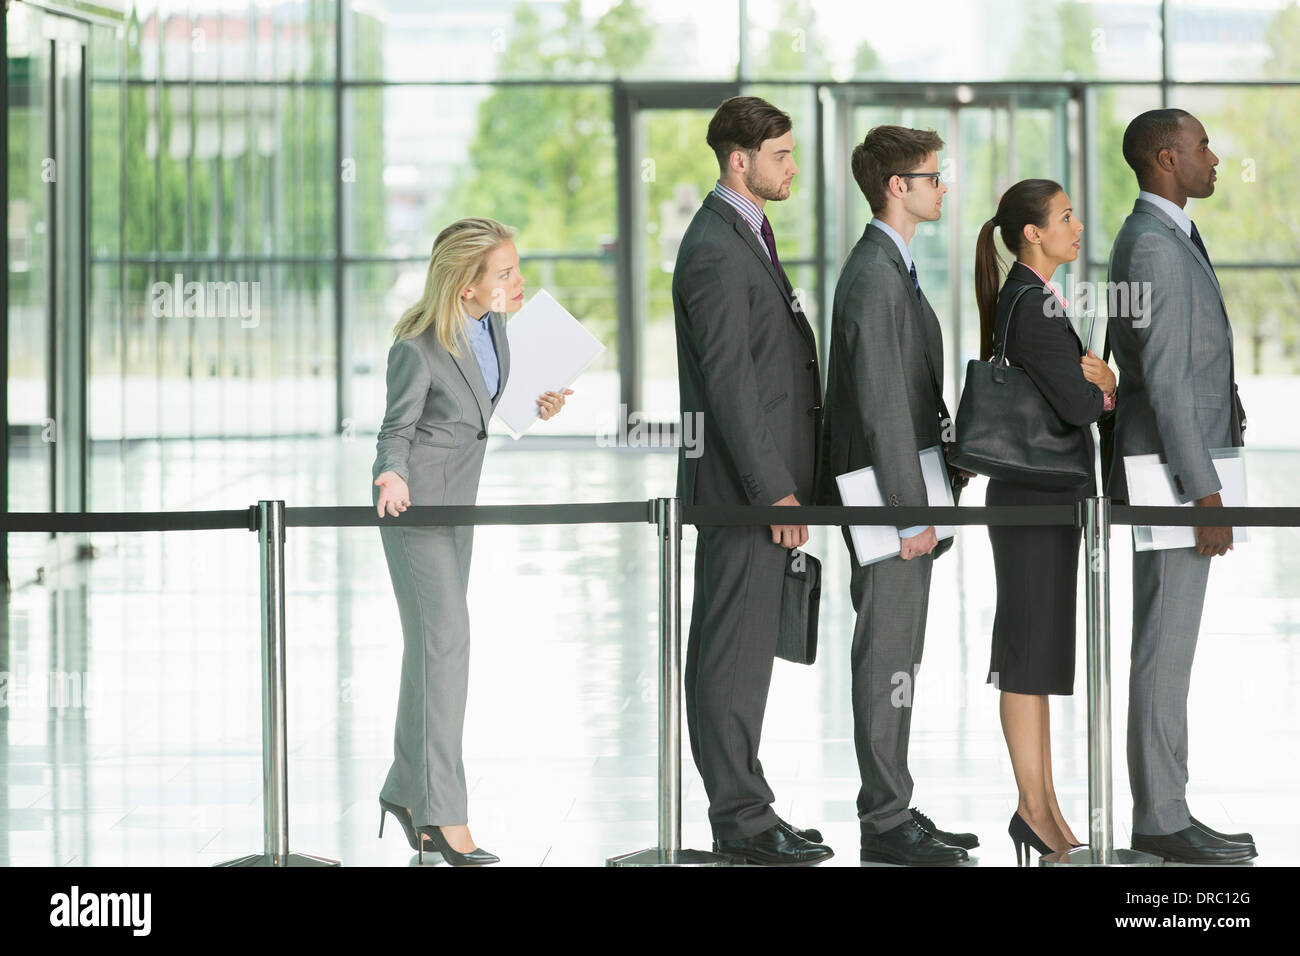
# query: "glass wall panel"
[[957, 40], [29, 267], [411, 40], [301, 156], [537, 158], [1225, 40], [676, 170], [1266, 339], [1115, 184], [104, 306]]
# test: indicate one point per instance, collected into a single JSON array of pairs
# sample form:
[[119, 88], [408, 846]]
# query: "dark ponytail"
[[1028, 202], [988, 279]]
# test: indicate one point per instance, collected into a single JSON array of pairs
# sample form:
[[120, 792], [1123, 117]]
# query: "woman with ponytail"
[[446, 370], [1036, 567]]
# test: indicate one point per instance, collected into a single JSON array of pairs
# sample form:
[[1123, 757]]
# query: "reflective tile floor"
[[144, 747]]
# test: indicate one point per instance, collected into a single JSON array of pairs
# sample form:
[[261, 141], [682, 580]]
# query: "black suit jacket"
[[747, 362], [1045, 345]]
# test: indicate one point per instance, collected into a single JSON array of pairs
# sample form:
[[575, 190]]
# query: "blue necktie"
[[916, 285]]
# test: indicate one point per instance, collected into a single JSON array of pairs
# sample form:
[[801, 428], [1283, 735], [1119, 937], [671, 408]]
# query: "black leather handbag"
[[800, 597], [1007, 430]]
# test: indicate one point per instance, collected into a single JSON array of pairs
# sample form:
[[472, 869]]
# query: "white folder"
[[859, 489], [549, 348], [1151, 483]]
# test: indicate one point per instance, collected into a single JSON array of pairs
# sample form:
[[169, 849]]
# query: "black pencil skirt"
[[1036, 570]]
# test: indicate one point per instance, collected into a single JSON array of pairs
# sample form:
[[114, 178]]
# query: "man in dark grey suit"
[[747, 364], [1178, 399], [883, 400]]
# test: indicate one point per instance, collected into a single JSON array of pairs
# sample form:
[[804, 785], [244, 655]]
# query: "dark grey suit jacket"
[[746, 360], [1177, 397], [435, 427], [881, 396]]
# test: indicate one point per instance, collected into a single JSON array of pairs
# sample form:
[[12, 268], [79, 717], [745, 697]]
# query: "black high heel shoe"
[[415, 836], [475, 857], [1024, 837], [403, 816]]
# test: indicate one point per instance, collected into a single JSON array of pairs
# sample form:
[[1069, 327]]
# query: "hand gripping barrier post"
[[275, 753]]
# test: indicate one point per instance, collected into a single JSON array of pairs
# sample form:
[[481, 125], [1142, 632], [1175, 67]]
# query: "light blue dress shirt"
[[892, 233], [479, 332]]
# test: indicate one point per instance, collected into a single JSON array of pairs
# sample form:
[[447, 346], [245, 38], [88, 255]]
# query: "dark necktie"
[[1196, 241], [769, 240], [1232, 361], [944, 417]]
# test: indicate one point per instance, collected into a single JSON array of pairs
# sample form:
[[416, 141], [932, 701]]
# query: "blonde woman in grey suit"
[[446, 369]]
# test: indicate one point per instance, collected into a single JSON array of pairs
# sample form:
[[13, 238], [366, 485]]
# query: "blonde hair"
[[458, 260]]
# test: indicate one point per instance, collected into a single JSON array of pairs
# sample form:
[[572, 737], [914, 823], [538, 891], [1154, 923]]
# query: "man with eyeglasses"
[[884, 404]]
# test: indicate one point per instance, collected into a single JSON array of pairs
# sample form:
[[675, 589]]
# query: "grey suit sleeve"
[[879, 387], [409, 379], [717, 320], [1165, 356]]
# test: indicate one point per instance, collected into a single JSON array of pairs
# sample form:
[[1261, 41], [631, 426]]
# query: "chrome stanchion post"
[[669, 852], [275, 735], [1101, 849], [669, 520]]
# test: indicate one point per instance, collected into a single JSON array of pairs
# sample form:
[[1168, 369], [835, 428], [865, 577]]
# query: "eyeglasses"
[[933, 177]]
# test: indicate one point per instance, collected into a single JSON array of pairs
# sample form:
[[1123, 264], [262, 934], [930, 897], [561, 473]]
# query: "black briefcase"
[[800, 597]]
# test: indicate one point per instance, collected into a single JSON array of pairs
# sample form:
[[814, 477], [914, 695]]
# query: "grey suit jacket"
[[435, 426], [746, 361], [1177, 397], [881, 396]]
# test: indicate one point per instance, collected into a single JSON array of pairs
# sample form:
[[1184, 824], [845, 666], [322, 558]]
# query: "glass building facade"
[[215, 212]]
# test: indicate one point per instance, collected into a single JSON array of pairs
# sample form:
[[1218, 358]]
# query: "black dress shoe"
[[775, 846], [967, 841], [811, 835], [1230, 837], [1193, 845], [909, 845]]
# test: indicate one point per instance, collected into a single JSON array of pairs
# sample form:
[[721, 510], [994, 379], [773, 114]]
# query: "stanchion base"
[[657, 857], [1087, 856], [293, 859]]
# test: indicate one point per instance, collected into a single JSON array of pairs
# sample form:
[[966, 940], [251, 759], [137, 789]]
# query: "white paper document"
[[549, 348], [859, 489], [1150, 483]]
